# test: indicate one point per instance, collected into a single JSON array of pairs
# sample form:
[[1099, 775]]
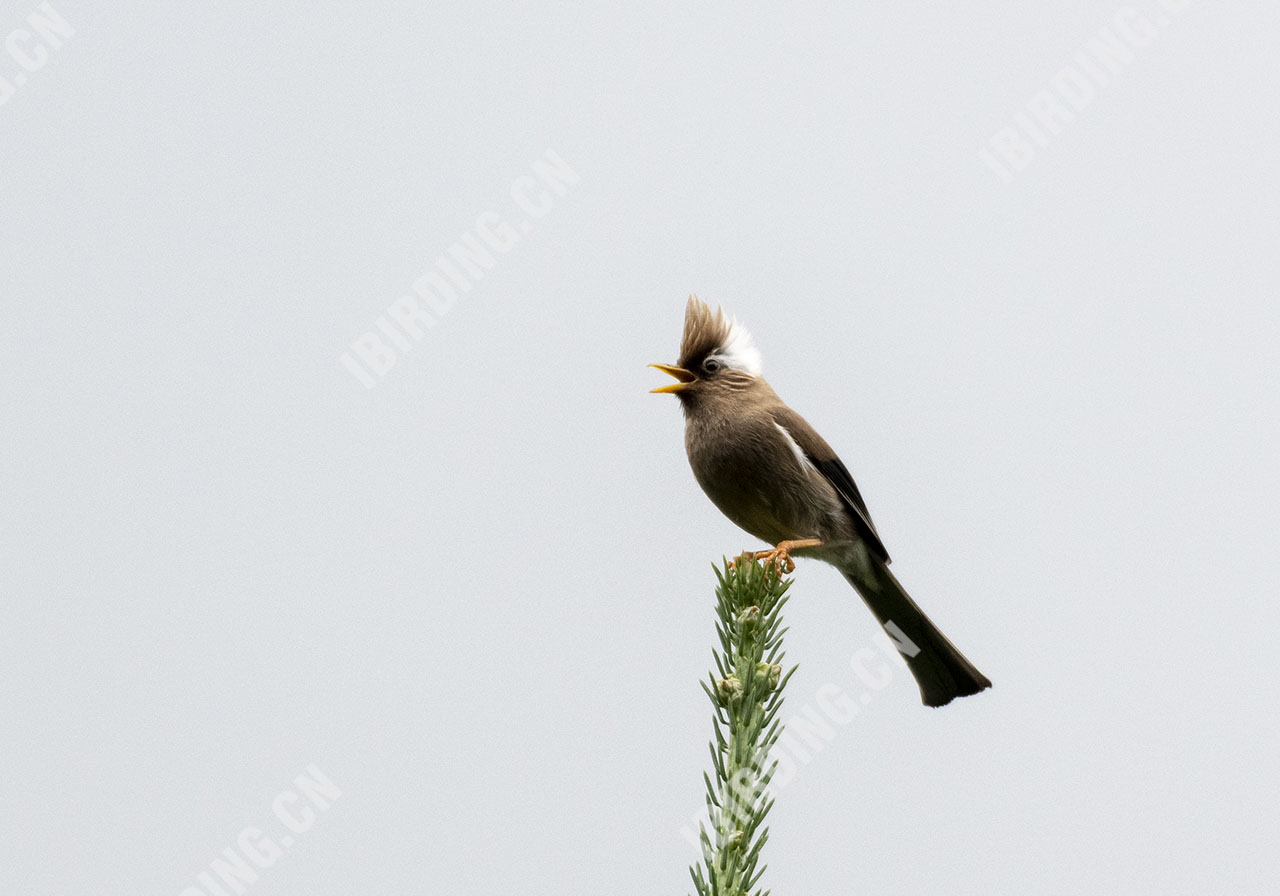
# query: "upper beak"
[[684, 376]]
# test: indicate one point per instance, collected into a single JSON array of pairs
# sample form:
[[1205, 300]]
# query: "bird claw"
[[779, 558]]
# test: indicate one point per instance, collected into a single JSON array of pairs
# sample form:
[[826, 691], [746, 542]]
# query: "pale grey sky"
[[1036, 313]]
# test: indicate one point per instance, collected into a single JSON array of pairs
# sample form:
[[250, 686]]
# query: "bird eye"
[[711, 365]]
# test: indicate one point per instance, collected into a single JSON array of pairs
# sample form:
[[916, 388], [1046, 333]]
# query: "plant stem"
[[746, 695]]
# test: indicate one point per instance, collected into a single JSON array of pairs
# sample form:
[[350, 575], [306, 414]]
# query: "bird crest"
[[710, 333]]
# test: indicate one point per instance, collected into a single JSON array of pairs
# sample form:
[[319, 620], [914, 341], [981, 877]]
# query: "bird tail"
[[941, 671]]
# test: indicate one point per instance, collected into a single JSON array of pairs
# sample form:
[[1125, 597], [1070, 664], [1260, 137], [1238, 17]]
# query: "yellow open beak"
[[684, 376]]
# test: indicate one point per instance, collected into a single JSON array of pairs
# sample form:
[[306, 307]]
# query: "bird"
[[773, 476]]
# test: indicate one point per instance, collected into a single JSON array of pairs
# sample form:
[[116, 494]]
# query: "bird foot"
[[780, 556]]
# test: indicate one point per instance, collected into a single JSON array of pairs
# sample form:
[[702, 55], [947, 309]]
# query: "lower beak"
[[685, 377]]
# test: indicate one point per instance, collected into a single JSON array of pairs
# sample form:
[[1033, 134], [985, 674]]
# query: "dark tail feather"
[[941, 671]]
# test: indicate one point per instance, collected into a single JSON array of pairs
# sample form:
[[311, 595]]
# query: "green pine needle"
[[746, 696]]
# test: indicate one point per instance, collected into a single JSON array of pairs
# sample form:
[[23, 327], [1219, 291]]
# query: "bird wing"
[[826, 462]]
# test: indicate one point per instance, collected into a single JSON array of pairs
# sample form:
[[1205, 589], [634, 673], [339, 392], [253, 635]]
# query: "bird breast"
[[754, 473]]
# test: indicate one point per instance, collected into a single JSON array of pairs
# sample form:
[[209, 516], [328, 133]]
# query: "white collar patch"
[[739, 350]]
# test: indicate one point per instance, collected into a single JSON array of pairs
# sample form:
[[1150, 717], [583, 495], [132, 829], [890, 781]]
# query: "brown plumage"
[[704, 332], [770, 472]]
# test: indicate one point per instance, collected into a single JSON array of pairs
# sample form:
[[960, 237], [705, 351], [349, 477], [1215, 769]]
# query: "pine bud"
[[769, 675], [728, 689]]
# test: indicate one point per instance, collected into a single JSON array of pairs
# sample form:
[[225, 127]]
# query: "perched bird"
[[770, 473]]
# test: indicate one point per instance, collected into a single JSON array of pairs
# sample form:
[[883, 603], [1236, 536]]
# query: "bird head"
[[717, 356]]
